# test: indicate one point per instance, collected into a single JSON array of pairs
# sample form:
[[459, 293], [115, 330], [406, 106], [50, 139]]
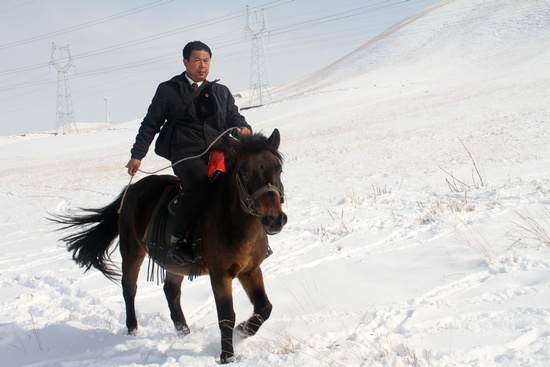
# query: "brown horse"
[[245, 206]]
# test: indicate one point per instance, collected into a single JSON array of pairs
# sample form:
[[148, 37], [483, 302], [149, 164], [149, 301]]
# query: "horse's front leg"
[[172, 291], [253, 284], [223, 295]]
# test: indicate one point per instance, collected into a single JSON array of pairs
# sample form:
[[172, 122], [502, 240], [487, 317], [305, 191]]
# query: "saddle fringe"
[[157, 240], [155, 268], [160, 272]]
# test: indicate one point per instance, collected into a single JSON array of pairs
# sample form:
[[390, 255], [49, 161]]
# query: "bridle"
[[248, 201]]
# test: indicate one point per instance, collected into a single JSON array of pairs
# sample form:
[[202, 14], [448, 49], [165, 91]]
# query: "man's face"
[[198, 65]]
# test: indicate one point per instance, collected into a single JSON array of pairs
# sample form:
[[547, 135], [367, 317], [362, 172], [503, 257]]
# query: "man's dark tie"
[[195, 86]]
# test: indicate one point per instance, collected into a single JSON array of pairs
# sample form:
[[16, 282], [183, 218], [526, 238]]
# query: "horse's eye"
[[245, 176]]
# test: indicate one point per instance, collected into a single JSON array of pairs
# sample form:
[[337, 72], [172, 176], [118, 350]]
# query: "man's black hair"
[[195, 46]]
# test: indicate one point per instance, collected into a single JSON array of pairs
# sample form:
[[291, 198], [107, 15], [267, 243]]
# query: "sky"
[[121, 50]]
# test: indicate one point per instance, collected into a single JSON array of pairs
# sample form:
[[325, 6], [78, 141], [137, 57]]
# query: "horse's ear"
[[275, 139]]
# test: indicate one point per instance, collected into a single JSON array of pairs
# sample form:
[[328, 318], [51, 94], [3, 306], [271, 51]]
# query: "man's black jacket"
[[198, 118]]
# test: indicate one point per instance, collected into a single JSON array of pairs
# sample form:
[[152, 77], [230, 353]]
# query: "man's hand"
[[133, 166], [242, 131]]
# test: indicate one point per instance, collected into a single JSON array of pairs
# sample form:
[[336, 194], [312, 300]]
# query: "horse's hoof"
[[244, 331], [226, 358], [182, 330], [132, 331]]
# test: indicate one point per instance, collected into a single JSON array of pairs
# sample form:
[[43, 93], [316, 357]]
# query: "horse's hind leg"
[[253, 284], [172, 290], [131, 263]]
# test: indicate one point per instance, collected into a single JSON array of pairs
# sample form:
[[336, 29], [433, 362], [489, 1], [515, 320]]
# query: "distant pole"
[[256, 25], [107, 109], [65, 109]]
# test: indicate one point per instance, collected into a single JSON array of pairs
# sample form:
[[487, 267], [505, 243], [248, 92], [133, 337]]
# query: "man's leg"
[[195, 184], [187, 211]]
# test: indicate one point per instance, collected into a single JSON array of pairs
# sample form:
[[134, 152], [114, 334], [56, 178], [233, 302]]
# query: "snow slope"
[[418, 195]]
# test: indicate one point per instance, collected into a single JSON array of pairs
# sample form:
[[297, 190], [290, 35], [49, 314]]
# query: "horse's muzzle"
[[274, 224]]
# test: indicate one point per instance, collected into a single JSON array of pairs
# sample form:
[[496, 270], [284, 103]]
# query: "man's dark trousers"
[[195, 185]]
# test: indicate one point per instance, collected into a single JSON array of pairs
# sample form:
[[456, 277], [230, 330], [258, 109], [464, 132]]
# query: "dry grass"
[[535, 226]]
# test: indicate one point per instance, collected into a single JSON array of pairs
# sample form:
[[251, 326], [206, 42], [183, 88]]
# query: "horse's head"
[[258, 175]]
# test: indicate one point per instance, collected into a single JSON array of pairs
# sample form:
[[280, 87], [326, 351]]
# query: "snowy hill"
[[418, 193], [452, 41]]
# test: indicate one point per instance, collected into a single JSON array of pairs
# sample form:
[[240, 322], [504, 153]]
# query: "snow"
[[418, 194]]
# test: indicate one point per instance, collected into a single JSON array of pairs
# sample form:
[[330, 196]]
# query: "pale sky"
[[121, 50]]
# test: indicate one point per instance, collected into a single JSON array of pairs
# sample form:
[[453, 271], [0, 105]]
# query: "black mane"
[[256, 143]]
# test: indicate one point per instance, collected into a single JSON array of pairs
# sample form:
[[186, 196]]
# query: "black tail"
[[90, 247]]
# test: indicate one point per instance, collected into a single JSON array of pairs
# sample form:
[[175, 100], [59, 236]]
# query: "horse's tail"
[[90, 246]]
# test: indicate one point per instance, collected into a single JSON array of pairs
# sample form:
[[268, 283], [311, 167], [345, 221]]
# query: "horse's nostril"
[[273, 224], [267, 220]]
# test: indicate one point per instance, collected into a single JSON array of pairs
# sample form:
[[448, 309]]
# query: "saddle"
[[163, 221], [161, 226]]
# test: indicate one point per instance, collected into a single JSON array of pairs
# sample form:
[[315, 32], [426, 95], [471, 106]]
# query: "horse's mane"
[[256, 143]]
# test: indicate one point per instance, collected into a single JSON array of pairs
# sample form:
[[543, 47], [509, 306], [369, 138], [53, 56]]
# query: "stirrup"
[[176, 253], [178, 257]]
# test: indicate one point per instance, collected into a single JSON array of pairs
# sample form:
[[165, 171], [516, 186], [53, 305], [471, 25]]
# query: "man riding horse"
[[191, 112]]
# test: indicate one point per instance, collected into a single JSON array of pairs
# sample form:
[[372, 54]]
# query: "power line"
[[16, 6], [300, 42], [124, 45], [86, 25]]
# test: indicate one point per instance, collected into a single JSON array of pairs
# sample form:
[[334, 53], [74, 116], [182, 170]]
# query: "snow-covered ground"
[[417, 177]]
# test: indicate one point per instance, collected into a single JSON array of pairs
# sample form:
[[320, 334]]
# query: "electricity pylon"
[[256, 24], [65, 110]]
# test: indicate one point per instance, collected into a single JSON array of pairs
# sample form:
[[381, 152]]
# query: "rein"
[[173, 164], [248, 201]]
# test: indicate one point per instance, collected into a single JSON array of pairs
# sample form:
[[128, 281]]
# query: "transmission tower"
[[256, 24], [64, 111]]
